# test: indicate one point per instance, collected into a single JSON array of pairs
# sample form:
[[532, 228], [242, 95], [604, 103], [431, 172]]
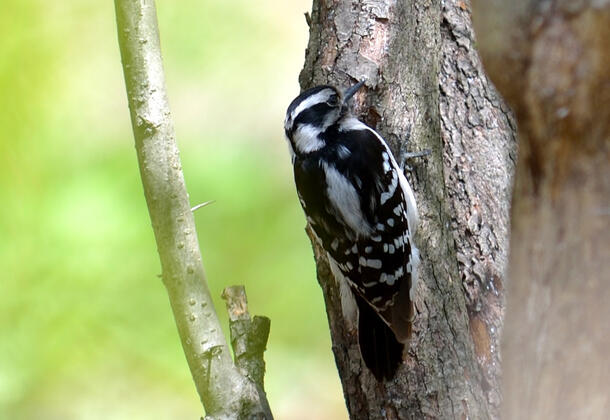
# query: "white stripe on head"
[[320, 97]]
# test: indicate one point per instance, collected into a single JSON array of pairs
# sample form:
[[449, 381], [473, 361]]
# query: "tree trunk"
[[426, 89], [550, 59]]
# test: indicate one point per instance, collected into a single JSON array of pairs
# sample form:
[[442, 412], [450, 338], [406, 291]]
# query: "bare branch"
[[248, 336], [225, 392]]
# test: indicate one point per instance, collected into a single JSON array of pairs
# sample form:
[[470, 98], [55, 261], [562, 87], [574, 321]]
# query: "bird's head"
[[312, 112]]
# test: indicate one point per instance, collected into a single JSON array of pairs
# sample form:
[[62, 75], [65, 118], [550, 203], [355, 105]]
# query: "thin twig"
[[198, 206]]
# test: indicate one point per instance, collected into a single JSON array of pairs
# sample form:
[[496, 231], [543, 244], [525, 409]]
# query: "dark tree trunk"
[[551, 61], [426, 89]]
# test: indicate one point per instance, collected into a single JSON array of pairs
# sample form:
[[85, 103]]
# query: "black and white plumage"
[[363, 212]]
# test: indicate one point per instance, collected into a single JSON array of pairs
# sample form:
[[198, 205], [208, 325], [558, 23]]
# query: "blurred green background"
[[86, 330]]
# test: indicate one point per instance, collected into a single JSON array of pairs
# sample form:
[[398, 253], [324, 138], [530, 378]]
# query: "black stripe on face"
[[314, 115]]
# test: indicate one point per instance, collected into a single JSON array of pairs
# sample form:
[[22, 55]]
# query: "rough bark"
[[479, 137], [550, 59], [426, 89], [226, 392]]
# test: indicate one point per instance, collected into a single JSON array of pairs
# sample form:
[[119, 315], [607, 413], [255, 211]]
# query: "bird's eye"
[[333, 100]]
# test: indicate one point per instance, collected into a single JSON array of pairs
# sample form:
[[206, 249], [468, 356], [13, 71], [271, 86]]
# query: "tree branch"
[[248, 336], [224, 391]]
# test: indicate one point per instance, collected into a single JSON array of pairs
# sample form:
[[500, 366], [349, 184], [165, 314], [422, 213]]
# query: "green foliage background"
[[86, 330]]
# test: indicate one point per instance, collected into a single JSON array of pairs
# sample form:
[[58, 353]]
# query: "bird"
[[363, 214]]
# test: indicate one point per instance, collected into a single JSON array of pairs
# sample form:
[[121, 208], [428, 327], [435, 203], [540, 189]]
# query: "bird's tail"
[[380, 350]]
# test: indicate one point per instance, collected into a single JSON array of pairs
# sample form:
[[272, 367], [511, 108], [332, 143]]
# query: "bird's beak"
[[351, 91]]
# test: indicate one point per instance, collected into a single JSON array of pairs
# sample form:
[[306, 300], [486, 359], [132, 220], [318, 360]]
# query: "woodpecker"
[[362, 210]]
